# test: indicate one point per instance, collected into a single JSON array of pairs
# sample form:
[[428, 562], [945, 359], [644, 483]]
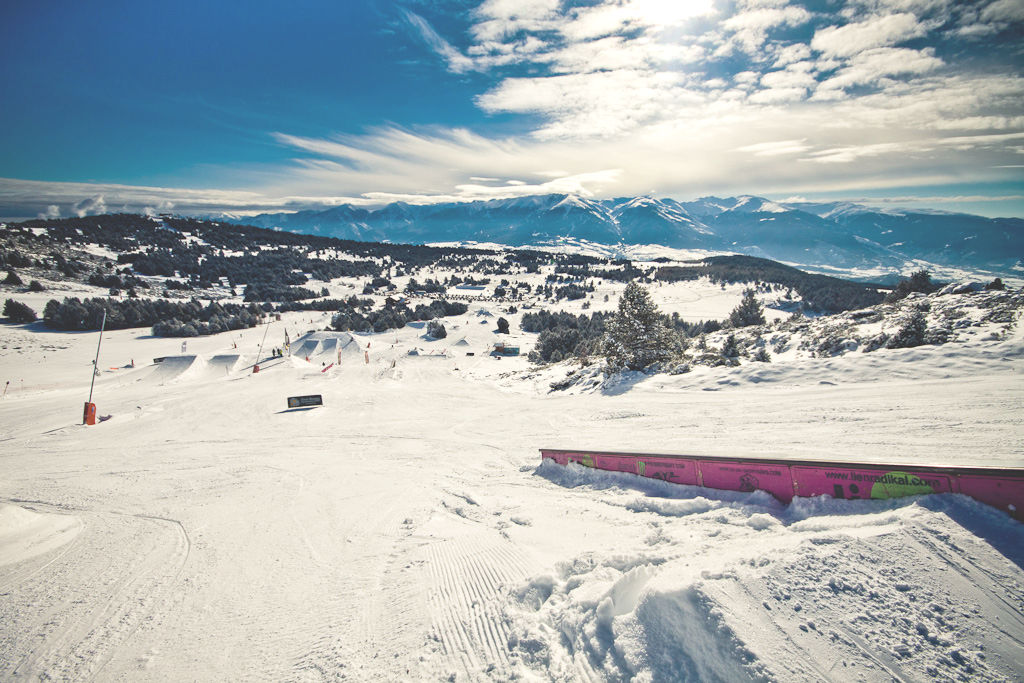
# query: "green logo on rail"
[[899, 484]]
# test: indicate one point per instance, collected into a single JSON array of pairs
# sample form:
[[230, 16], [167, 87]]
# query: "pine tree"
[[731, 347], [920, 281], [435, 329], [749, 312], [18, 312], [911, 334], [637, 336]]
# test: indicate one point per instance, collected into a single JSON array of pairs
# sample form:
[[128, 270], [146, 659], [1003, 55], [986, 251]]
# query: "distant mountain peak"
[[839, 234]]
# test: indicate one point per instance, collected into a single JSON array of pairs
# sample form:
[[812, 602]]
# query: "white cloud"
[[778, 95], [939, 199], [845, 155], [90, 205], [599, 104], [499, 19], [869, 66], [973, 141], [746, 77], [742, 149], [848, 40], [1004, 10], [788, 78], [491, 54], [750, 28], [737, 151], [609, 18], [615, 53], [979, 123], [976, 31], [457, 62], [583, 184], [934, 103], [45, 199], [789, 54], [771, 149]]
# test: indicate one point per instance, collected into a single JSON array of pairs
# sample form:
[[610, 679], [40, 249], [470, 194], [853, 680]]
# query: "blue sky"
[[193, 108]]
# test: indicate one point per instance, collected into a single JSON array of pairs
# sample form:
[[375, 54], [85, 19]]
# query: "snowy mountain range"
[[840, 235]]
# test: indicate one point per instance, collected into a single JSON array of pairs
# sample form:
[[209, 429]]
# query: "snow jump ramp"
[[195, 368], [332, 343], [171, 368], [224, 364], [999, 487]]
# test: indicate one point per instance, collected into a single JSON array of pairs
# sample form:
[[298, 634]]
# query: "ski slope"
[[407, 530]]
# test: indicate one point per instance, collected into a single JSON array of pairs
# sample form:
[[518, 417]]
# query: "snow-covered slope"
[[406, 529]]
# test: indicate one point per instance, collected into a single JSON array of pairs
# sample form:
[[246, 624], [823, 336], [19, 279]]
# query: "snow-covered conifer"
[[637, 336], [748, 312], [435, 329]]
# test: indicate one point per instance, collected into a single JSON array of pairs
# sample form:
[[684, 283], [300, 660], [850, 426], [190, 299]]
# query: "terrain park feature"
[[1000, 487]]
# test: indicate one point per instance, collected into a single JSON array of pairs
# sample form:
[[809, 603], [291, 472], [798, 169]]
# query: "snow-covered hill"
[[843, 235], [406, 529]]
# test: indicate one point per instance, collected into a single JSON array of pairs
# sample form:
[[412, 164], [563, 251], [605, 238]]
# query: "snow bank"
[[25, 533]]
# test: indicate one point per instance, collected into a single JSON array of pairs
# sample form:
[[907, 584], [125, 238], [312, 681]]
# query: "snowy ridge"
[[800, 232]]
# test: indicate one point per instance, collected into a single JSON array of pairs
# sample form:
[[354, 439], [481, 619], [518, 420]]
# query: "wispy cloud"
[[726, 155], [457, 62], [771, 149], [26, 198], [941, 199]]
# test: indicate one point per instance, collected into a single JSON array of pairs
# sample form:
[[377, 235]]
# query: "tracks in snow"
[[468, 578], [69, 617]]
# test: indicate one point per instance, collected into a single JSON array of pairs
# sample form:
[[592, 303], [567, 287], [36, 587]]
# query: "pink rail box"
[[747, 475], [999, 487]]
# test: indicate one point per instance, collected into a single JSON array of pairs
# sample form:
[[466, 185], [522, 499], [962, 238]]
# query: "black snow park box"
[[305, 401]]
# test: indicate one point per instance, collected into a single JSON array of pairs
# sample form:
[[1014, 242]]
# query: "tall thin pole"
[[96, 363], [259, 354]]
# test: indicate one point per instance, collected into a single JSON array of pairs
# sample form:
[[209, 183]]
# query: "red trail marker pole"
[[89, 414]]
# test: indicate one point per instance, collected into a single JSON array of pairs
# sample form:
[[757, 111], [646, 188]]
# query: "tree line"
[[819, 292], [167, 318], [394, 315]]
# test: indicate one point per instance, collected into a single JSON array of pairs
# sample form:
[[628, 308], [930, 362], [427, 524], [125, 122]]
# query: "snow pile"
[[25, 534], [820, 590]]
